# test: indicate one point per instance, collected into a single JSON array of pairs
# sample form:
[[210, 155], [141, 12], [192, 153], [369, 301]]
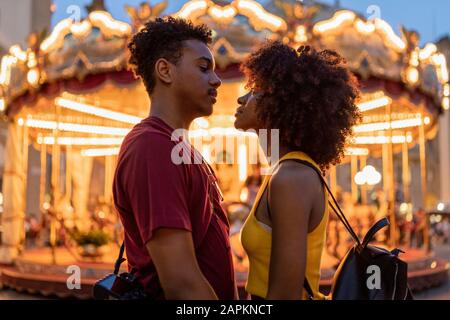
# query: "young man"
[[176, 232]]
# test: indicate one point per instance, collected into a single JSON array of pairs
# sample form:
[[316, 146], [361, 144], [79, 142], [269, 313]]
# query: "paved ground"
[[440, 293], [13, 295]]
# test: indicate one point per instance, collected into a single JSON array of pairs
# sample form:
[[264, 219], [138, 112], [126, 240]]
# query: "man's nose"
[[215, 81]]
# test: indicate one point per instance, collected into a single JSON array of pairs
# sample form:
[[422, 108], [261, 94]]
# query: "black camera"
[[124, 286]]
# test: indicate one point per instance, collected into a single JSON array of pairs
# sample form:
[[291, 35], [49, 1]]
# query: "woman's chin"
[[238, 125]]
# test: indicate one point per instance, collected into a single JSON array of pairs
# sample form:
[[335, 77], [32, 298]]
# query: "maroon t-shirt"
[[152, 192]]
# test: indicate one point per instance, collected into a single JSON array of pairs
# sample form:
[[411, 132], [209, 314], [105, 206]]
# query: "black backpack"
[[366, 272]]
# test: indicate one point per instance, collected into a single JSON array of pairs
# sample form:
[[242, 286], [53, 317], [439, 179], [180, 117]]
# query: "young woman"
[[309, 97]]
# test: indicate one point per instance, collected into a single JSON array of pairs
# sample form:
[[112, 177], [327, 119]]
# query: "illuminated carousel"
[[70, 100]]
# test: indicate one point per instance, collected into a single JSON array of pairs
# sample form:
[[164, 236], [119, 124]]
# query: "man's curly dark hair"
[[162, 38], [308, 95]]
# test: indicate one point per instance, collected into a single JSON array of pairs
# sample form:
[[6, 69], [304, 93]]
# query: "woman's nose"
[[242, 100]]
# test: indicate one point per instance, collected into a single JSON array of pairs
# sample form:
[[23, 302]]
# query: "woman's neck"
[[282, 150]]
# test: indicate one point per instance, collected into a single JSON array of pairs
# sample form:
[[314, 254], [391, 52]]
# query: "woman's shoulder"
[[295, 184], [292, 173]]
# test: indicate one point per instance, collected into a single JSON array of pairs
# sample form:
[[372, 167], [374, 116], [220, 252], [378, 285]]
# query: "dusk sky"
[[430, 18]]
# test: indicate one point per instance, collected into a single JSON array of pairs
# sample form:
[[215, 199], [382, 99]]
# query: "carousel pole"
[[362, 165], [14, 194], [384, 152], [43, 174], [68, 172], [391, 181], [55, 184], [42, 179], [108, 180], [405, 171], [25, 139], [333, 179], [423, 179], [354, 168], [68, 184]]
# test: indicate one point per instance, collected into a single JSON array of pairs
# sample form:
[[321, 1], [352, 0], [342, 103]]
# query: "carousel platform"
[[34, 272], [425, 270]]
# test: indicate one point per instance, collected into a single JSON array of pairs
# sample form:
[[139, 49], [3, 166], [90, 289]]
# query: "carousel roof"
[[78, 56]]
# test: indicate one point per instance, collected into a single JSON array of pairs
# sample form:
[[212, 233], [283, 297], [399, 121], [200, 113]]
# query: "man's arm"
[[172, 251]]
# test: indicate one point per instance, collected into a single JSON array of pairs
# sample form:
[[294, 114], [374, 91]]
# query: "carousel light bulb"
[[32, 61], [373, 177], [57, 35], [426, 120], [389, 33], [360, 178], [446, 90], [255, 10], [66, 141], [81, 30], [46, 205], [17, 52], [300, 34], [244, 195], [428, 51], [441, 64], [33, 77], [20, 122], [105, 20], [2, 104], [414, 61], [356, 152], [412, 75], [5, 69], [224, 15], [440, 206], [75, 127], [374, 104], [338, 19], [380, 139], [192, 7], [380, 126], [369, 168], [97, 111], [446, 103], [101, 152], [403, 208], [364, 27]]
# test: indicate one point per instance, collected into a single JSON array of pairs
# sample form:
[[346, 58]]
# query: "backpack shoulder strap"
[[334, 205]]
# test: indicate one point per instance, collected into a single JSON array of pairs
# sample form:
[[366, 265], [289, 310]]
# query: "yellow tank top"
[[256, 239]]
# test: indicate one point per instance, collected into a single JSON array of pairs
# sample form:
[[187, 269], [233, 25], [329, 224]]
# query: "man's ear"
[[164, 71]]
